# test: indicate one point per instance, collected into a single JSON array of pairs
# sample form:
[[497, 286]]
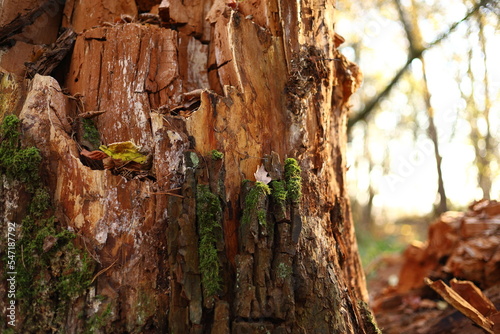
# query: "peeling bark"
[[271, 85]]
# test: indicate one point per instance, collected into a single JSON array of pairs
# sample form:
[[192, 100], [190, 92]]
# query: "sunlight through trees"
[[424, 127]]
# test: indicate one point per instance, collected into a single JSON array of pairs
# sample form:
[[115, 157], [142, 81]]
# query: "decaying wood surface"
[[53, 56], [269, 85], [462, 251], [470, 292], [456, 301]]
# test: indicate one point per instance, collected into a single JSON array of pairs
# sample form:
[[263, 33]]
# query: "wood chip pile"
[[451, 283]]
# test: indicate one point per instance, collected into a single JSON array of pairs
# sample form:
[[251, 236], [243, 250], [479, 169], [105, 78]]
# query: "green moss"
[[98, 321], [279, 192], [293, 180], [261, 217], [292, 168], [25, 165], [18, 163], [283, 270], [367, 315], [191, 159], [258, 192], [216, 155], [51, 271], [146, 306], [279, 195], [209, 215], [90, 133], [40, 202], [77, 274], [100, 298], [9, 131], [50, 252]]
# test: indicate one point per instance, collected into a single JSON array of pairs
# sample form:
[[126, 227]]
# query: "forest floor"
[[459, 262]]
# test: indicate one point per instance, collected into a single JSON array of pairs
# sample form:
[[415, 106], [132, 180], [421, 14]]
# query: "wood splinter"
[[460, 304], [91, 114]]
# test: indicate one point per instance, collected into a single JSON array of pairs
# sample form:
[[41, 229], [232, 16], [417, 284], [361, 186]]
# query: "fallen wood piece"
[[474, 226], [455, 300], [94, 155], [495, 317], [415, 268], [470, 292], [52, 57], [490, 208], [91, 114]]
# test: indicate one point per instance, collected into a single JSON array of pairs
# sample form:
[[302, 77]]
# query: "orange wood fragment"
[[455, 300]]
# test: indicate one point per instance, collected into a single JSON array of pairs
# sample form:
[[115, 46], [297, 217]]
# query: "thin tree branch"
[[374, 102], [408, 27], [413, 54], [415, 40]]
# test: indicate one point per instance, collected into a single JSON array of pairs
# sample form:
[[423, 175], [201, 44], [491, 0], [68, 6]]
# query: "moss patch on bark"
[[209, 215], [51, 270], [293, 180], [18, 163], [255, 196]]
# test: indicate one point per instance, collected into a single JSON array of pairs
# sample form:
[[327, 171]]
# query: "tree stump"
[[208, 245]]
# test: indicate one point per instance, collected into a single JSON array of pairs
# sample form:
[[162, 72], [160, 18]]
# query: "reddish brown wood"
[[454, 299]]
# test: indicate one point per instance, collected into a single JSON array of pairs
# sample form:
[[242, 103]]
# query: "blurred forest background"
[[425, 126]]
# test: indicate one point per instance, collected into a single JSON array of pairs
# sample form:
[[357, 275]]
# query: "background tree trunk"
[[222, 253]]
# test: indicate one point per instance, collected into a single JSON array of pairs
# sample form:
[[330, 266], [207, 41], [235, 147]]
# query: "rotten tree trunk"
[[223, 253]]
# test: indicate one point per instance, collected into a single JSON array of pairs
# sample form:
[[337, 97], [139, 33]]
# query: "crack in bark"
[[214, 67]]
